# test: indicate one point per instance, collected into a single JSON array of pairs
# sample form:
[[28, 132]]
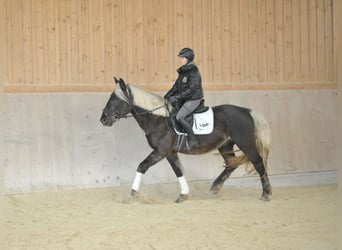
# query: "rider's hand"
[[173, 99]]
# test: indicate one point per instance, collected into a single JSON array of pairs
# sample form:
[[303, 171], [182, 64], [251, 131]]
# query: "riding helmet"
[[187, 53]]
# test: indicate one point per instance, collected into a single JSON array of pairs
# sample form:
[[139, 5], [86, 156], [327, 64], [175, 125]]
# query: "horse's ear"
[[122, 84], [116, 80]]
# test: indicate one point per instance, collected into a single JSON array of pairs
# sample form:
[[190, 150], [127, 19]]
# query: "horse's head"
[[118, 105]]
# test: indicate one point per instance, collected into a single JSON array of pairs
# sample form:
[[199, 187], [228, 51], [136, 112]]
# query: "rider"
[[187, 92]]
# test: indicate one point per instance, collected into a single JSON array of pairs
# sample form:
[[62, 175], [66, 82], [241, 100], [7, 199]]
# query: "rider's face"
[[183, 60]]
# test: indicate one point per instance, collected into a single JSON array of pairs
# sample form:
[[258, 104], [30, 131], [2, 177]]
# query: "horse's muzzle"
[[106, 121]]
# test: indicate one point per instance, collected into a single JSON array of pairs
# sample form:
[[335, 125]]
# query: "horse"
[[233, 125]]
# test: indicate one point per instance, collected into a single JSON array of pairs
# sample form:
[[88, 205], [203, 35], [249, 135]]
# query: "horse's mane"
[[146, 100]]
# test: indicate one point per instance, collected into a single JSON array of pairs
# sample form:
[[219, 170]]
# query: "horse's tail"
[[262, 134]]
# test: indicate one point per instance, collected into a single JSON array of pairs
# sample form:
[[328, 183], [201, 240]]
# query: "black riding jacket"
[[188, 85]]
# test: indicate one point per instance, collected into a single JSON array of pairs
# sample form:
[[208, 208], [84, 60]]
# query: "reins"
[[142, 113], [129, 96]]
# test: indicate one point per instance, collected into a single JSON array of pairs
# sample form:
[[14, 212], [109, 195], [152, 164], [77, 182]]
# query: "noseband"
[[127, 97], [115, 116]]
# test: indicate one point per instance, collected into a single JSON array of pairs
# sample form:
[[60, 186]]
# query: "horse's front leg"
[[149, 161], [178, 169]]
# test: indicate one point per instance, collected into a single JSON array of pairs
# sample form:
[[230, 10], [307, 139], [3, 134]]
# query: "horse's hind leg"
[[227, 152], [266, 186], [253, 155]]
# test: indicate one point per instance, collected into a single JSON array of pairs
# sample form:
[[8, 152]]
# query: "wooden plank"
[[262, 41], [160, 30], [288, 41], [170, 53], [68, 38], [236, 43], [117, 45], [84, 44], [149, 40], [313, 40], [19, 45], [51, 37], [226, 41], [26, 27], [57, 45], [79, 41], [138, 30], [197, 37], [184, 12], [329, 40], [97, 58], [63, 63], [68, 51], [279, 7], [7, 26], [38, 39], [253, 40], [107, 10], [127, 36], [188, 23], [321, 46], [4, 42], [178, 25], [297, 40], [14, 42], [245, 43], [74, 30], [208, 64], [216, 43], [271, 41], [305, 57], [91, 42], [321, 62]]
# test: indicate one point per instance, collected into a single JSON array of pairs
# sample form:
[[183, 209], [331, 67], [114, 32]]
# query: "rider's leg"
[[184, 111], [193, 142]]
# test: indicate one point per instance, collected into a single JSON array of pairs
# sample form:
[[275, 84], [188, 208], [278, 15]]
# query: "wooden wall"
[[77, 45]]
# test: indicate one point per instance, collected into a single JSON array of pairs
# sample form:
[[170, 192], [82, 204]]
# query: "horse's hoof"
[[215, 189], [132, 198], [265, 198], [181, 198], [134, 193]]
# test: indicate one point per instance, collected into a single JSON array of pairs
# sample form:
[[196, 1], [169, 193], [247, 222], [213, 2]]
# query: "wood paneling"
[[80, 44]]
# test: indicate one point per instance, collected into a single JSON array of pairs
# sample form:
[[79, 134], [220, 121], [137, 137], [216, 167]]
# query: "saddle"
[[202, 120]]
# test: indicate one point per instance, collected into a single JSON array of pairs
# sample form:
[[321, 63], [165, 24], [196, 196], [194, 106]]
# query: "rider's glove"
[[172, 99]]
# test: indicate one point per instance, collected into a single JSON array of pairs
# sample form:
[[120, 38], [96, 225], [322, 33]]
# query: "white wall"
[[56, 140]]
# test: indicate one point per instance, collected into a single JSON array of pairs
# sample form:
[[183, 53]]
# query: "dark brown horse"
[[233, 125]]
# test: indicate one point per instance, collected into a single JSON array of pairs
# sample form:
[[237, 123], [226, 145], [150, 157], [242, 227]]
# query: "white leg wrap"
[[137, 181], [184, 185]]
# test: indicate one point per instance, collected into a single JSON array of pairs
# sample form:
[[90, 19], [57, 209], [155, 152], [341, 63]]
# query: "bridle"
[[129, 100], [116, 116]]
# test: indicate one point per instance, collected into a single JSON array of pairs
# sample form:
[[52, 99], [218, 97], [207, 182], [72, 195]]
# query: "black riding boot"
[[173, 118], [193, 142]]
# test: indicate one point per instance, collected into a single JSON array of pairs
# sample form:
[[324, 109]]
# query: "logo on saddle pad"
[[203, 123]]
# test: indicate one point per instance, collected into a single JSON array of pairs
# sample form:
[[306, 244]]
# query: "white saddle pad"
[[203, 122]]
